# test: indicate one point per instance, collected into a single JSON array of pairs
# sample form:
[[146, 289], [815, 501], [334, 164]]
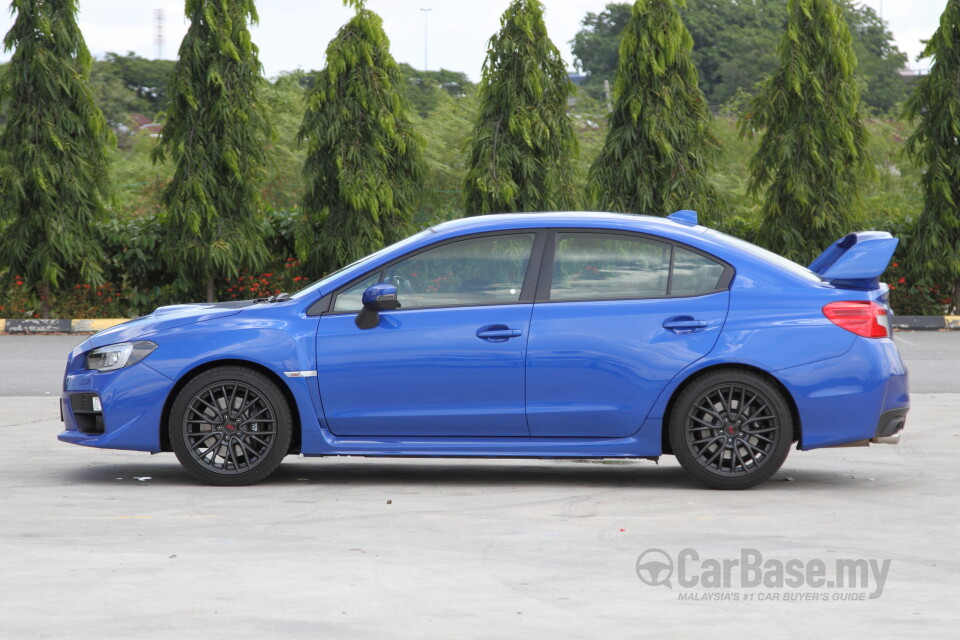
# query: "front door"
[[450, 361]]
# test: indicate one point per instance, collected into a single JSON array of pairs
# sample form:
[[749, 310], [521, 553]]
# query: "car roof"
[[590, 219]]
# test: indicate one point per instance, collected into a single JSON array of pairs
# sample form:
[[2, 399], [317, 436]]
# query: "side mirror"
[[377, 298]]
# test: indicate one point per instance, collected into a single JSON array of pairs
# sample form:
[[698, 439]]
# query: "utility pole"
[[426, 12], [158, 34]]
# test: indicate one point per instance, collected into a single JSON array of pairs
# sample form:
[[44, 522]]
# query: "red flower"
[[896, 264], [902, 280]]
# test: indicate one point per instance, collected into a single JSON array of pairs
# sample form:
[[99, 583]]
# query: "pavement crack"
[[21, 424]]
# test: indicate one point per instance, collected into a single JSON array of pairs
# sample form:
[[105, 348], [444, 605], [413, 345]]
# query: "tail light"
[[864, 318]]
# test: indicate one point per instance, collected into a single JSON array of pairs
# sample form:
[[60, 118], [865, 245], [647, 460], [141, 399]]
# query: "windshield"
[[318, 284]]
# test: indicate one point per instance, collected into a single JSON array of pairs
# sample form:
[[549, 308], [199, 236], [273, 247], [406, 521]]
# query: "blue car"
[[552, 335]]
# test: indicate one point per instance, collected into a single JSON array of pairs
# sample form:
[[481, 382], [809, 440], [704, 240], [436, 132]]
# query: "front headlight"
[[118, 356]]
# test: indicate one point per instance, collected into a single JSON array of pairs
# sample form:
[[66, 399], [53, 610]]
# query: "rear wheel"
[[731, 429], [230, 426]]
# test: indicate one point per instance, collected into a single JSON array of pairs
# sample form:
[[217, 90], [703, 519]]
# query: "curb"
[[58, 325], [92, 325], [926, 323]]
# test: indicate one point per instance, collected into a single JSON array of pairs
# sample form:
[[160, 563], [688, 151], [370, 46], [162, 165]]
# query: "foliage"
[[523, 143], [214, 135], [735, 43], [53, 164], [364, 166], [735, 47], [283, 101], [132, 236], [596, 47], [130, 84], [812, 145], [446, 130], [935, 104], [659, 144], [425, 89], [879, 61]]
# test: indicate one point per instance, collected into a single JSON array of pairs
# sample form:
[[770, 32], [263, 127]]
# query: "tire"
[[230, 426], [731, 429]]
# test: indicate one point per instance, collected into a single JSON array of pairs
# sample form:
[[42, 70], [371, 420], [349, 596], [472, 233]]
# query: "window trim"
[[527, 290], [549, 255]]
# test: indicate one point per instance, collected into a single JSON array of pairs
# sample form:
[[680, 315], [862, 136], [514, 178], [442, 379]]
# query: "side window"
[[594, 266], [485, 270], [351, 299], [694, 274]]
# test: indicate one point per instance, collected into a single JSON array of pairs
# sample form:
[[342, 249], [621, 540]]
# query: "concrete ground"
[[109, 544]]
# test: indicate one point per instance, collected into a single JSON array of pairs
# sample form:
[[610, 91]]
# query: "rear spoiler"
[[856, 260]]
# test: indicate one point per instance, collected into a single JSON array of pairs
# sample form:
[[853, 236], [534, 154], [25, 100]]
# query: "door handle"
[[683, 324], [498, 333]]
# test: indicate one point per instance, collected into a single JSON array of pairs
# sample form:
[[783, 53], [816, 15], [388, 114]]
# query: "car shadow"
[[448, 473]]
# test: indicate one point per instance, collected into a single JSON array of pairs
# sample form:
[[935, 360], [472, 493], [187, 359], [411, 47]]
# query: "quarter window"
[[694, 274]]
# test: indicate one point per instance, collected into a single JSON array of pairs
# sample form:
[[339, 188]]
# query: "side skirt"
[[645, 443]]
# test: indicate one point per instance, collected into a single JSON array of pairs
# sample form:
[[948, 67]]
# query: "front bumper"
[[131, 401]]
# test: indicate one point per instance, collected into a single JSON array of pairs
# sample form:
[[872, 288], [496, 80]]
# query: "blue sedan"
[[554, 335]]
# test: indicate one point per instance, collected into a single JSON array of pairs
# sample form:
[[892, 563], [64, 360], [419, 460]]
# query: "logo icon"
[[655, 567]]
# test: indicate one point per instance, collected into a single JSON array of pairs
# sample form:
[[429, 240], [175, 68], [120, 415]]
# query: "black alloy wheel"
[[731, 429], [230, 426]]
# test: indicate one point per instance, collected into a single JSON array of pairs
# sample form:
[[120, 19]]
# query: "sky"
[[294, 34]]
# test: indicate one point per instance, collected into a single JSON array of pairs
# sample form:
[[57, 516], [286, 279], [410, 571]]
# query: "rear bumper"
[[866, 395]]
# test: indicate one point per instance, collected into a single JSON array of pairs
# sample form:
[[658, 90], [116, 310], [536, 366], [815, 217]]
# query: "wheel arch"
[[233, 362], [665, 430]]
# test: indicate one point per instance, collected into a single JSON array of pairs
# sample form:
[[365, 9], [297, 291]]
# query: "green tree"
[[446, 130], [812, 145], [426, 89], [735, 43], [596, 47], [53, 152], [364, 166], [523, 144], [734, 47], [214, 221], [879, 61], [934, 250], [659, 144]]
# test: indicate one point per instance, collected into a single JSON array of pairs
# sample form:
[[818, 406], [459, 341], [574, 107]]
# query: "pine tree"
[[53, 163], [214, 221], [659, 144], [523, 145], [811, 152], [934, 250], [364, 166]]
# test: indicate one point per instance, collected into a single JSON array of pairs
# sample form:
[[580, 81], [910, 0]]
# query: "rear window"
[[763, 254]]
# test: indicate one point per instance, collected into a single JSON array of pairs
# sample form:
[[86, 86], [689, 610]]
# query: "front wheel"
[[230, 426], [731, 429]]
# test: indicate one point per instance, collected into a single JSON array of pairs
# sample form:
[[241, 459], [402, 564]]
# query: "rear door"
[[618, 315]]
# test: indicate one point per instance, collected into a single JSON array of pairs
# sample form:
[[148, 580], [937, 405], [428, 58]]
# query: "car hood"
[[167, 318]]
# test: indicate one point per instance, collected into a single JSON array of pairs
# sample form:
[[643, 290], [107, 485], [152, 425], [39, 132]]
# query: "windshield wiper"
[[280, 297]]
